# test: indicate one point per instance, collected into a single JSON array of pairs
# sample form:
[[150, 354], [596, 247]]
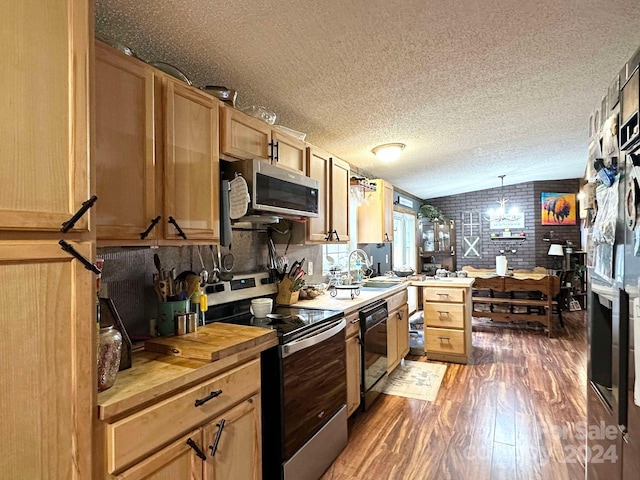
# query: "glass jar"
[[108, 357]]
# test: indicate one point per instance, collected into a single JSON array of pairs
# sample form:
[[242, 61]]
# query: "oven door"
[[314, 389]]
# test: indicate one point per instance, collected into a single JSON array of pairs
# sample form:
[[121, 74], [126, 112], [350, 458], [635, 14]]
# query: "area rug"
[[418, 380]]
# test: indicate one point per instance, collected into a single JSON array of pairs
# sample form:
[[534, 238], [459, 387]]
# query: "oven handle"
[[314, 338]]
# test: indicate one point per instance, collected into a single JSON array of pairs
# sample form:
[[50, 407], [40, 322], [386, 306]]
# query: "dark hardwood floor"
[[511, 414]]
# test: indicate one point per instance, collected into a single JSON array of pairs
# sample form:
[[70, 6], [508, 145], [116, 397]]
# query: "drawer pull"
[[204, 400], [442, 312], [443, 294], [353, 322], [199, 453], [214, 447], [448, 339]]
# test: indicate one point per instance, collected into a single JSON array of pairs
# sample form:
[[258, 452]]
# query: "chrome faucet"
[[364, 256]]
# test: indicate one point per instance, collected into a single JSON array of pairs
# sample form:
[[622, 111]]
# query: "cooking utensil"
[[214, 274], [223, 93], [204, 274], [156, 262], [224, 276], [227, 261]]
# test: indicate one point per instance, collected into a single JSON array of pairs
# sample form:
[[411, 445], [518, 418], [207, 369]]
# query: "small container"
[[181, 324], [110, 346], [192, 322]]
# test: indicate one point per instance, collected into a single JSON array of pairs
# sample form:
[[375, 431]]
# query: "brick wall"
[[526, 196]]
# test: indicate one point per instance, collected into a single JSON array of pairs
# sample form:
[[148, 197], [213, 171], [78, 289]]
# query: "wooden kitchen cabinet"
[[156, 155], [191, 163], [332, 174], [48, 361], [232, 443], [125, 146], [245, 137], [397, 329], [375, 218], [178, 461], [159, 421], [48, 344], [44, 113], [447, 322], [354, 362]]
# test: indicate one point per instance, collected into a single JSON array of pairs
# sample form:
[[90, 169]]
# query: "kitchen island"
[[447, 318]]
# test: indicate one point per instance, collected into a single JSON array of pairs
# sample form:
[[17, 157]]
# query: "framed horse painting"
[[558, 208]]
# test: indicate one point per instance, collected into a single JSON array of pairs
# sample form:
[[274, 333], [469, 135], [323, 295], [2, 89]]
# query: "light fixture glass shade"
[[388, 152], [556, 250]]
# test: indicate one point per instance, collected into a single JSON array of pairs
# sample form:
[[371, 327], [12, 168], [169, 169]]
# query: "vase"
[[109, 349]]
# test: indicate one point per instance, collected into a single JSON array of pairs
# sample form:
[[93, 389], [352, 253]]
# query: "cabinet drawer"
[[353, 325], [444, 340], [133, 437], [396, 301], [450, 315], [438, 294]]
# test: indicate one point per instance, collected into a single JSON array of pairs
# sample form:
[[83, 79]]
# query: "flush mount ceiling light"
[[389, 151], [500, 214]]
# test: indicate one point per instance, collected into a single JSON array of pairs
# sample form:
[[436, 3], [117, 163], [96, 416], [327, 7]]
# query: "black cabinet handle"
[[86, 205], [199, 453], [214, 447], [276, 147], [173, 222], [328, 236], [78, 256], [154, 222], [337, 236], [204, 400], [386, 237]]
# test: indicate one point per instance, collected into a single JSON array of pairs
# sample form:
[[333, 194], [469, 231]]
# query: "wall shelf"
[[509, 239]]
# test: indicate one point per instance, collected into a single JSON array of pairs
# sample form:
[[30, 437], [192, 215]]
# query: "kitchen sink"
[[374, 284]]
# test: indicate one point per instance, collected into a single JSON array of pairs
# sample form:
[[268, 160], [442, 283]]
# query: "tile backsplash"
[[128, 271]]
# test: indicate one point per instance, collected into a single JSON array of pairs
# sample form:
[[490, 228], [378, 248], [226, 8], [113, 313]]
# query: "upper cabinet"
[[245, 137], [44, 142], [332, 174], [375, 218], [157, 164]]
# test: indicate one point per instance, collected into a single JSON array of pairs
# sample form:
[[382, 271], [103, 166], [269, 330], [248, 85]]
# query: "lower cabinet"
[[178, 461], [354, 362], [232, 443], [397, 329], [210, 431], [447, 322]]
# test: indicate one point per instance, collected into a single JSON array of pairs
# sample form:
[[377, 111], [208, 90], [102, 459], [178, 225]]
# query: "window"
[[404, 240]]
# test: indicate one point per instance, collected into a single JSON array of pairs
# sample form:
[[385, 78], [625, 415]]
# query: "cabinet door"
[[318, 168], [354, 369], [192, 174], [392, 341], [47, 361], [44, 147], [292, 153], [402, 315], [339, 199], [387, 212], [125, 142], [178, 461], [243, 136], [233, 447]]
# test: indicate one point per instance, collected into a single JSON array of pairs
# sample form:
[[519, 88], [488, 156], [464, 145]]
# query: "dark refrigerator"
[[613, 434]]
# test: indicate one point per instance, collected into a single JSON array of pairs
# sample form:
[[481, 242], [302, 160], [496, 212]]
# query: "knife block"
[[285, 295]]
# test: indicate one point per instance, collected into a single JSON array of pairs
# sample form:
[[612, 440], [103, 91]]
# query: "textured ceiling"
[[475, 89]]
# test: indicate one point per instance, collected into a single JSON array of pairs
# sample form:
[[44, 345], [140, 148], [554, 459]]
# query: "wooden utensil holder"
[[285, 295]]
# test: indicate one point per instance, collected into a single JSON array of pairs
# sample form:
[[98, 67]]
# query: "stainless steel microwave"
[[275, 190]]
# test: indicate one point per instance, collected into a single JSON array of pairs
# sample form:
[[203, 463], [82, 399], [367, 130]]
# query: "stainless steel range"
[[304, 415]]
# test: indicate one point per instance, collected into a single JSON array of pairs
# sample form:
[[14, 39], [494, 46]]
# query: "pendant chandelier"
[[500, 214]]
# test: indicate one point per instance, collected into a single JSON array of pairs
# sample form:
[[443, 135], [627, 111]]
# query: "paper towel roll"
[[501, 265]]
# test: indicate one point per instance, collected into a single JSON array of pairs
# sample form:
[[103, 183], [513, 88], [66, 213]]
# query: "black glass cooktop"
[[288, 322]]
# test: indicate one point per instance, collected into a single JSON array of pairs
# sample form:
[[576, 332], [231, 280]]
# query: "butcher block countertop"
[[180, 362]]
